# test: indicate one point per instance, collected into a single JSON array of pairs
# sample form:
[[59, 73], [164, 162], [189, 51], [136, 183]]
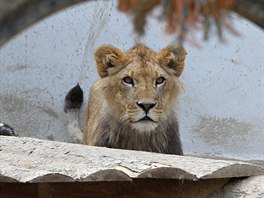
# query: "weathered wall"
[[221, 111]]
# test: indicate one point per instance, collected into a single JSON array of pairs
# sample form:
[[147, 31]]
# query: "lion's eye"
[[128, 80], [160, 80]]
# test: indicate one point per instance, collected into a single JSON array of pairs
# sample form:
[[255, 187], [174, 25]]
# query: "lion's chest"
[[113, 134]]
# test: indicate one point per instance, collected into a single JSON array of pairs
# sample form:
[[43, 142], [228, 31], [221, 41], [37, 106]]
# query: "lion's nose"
[[146, 106]]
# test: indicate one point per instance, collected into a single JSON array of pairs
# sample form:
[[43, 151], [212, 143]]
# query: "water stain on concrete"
[[10, 103], [15, 68], [20, 114], [229, 91], [225, 132], [49, 112], [25, 116]]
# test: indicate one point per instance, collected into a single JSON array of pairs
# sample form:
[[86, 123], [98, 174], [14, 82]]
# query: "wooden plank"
[[33, 160]]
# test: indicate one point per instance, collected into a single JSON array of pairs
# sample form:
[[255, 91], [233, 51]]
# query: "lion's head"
[[141, 86]]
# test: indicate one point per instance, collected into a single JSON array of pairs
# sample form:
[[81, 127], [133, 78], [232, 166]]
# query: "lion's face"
[[141, 86]]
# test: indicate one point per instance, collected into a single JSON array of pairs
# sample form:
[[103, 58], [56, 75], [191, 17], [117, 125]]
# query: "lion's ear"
[[172, 58], [108, 59]]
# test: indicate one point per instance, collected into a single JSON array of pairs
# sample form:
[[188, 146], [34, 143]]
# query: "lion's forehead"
[[141, 51], [144, 68]]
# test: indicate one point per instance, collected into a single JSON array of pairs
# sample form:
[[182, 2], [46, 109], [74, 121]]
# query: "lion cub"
[[132, 105]]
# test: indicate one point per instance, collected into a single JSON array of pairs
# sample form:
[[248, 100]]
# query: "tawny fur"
[[113, 115]]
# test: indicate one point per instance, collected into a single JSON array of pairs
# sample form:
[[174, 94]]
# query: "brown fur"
[[112, 118]]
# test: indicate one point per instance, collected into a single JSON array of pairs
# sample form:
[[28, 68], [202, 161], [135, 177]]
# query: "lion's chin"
[[145, 126]]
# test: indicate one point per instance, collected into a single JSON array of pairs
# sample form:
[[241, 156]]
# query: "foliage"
[[182, 15]]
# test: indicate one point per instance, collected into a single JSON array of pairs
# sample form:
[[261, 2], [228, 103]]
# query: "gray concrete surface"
[[220, 111]]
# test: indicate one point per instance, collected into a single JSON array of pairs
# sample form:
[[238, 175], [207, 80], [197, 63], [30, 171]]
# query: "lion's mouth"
[[146, 118]]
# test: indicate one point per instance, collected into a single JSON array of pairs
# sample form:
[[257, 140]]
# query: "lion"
[[132, 105]]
